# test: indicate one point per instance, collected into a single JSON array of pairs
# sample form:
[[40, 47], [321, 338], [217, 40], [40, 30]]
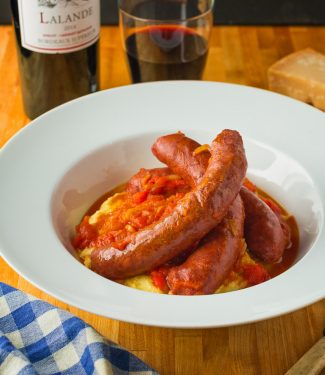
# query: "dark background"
[[230, 12]]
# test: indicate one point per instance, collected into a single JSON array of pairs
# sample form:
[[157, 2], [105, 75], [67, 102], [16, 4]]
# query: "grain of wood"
[[300, 37], [252, 63], [12, 117], [317, 35], [215, 66], [265, 37], [283, 41], [239, 55], [188, 355], [233, 55]]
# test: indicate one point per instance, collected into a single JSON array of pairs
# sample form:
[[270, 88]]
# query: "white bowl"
[[55, 168]]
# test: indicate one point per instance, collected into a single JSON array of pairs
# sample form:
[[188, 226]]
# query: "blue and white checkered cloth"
[[38, 338]]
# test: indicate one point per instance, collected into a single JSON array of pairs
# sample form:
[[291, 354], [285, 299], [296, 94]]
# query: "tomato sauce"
[[96, 205], [134, 211], [157, 197]]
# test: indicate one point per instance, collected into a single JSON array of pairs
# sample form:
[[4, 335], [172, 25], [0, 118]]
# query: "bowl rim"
[[291, 299]]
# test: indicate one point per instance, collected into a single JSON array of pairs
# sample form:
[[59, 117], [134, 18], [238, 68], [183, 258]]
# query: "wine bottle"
[[57, 46]]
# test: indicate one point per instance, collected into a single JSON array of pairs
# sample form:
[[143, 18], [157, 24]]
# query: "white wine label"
[[58, 26]]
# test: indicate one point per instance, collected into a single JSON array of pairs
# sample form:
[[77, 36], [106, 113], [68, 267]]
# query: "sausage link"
[[205, 270], [266, 234], [177, 152], [198, 212]]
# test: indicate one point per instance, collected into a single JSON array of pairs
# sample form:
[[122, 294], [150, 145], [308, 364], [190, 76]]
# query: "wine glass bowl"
[[165, 40]]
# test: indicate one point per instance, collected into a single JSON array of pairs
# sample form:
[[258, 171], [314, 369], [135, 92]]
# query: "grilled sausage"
[[177, 152], [198, 212], [266, 234], [205, 270]]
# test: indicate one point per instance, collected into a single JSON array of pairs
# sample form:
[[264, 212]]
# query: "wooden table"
[[239, 55]]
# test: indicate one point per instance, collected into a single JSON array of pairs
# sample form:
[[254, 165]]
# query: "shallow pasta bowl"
[[56, 167]]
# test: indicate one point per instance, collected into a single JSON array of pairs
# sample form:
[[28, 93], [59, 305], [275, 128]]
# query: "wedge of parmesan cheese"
[[300, 75]]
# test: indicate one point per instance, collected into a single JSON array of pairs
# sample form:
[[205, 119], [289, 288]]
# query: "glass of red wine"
[[166, 39]]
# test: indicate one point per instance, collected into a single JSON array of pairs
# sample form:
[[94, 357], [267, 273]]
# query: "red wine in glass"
[[166, 52]]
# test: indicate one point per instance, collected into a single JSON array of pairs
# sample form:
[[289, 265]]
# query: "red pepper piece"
[[158, 277], [255, 274], [140, 196]]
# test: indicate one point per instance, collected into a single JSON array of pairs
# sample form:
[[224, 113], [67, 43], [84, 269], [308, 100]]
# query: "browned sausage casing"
[[265, 237], [205, 270], [195, 215], [176, 151]]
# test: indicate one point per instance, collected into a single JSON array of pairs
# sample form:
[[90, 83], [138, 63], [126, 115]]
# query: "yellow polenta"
[[233, 282]]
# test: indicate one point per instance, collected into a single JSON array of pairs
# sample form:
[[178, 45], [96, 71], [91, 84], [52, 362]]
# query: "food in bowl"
[[197, 226]]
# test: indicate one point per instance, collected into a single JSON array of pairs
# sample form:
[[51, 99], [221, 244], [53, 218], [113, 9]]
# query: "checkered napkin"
[[38, 338]]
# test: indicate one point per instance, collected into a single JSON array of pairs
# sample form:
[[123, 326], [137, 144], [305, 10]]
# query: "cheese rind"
[[300, 75]]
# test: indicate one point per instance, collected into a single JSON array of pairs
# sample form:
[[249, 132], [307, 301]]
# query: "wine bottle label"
[[58, 26]]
